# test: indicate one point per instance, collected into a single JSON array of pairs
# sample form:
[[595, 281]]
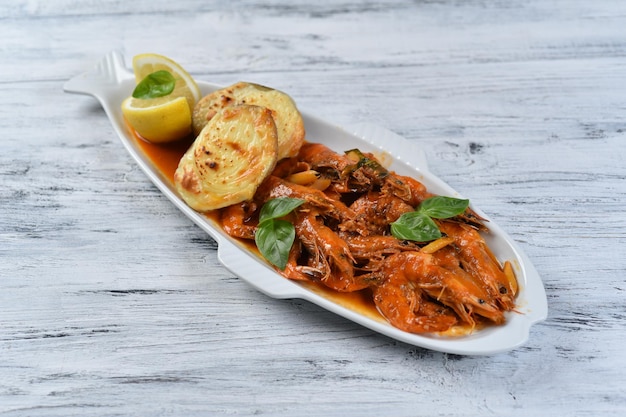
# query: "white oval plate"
[[111, 82]]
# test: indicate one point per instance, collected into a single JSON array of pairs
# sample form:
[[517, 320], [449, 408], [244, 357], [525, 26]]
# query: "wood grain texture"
[[113, 303]]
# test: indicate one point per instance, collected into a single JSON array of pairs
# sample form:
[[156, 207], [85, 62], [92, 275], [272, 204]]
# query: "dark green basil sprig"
[[419, 226], [274, 237], [157, 84]]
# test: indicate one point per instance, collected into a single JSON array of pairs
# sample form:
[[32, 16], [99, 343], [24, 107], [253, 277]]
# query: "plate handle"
[[104, 77], [265, 278]]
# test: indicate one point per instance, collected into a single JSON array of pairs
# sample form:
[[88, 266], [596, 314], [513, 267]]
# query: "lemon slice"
[[146, 64], [158, 120]]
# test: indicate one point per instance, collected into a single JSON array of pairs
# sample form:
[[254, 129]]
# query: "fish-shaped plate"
[[110, 82]]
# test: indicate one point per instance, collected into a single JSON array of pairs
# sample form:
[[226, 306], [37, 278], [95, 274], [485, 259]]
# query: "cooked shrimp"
[[478, 260], [370, 252], [236, 220], [373, 212], [405, 305], [367, 247], [274, 187], [355, 172], [288, 166], [449, 287], [329, 253], [454, 287], [410, 190], [293, 270], [324, 159]]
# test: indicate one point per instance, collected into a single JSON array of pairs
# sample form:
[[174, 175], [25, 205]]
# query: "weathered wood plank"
[[113, 303]]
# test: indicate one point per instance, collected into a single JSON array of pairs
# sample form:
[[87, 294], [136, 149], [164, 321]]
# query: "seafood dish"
[[344, 242], [354, 195]]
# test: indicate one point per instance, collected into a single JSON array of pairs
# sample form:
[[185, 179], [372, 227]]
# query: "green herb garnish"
[[419, 226], [274, 237], [157, 84], [415, 226], [441, 207]]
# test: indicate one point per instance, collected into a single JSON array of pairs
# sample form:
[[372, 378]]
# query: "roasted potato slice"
[[231, 156], [288, 119]]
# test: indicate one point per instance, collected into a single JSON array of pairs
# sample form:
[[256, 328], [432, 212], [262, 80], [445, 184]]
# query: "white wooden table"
[[114, 303]]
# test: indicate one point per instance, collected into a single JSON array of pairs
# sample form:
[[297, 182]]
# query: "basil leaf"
[[274, 239], [441, 207], [157, 84], [278, 207], [415, 226]]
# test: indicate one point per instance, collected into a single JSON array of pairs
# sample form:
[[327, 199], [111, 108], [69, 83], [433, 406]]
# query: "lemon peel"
[[158, 120]]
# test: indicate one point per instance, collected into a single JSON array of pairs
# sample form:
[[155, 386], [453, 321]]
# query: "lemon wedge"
[[166, 118], [146, 64], [158, 120]]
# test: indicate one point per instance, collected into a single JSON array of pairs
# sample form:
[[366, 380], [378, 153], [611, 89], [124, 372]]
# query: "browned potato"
[[232, 155], [288, 119]]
